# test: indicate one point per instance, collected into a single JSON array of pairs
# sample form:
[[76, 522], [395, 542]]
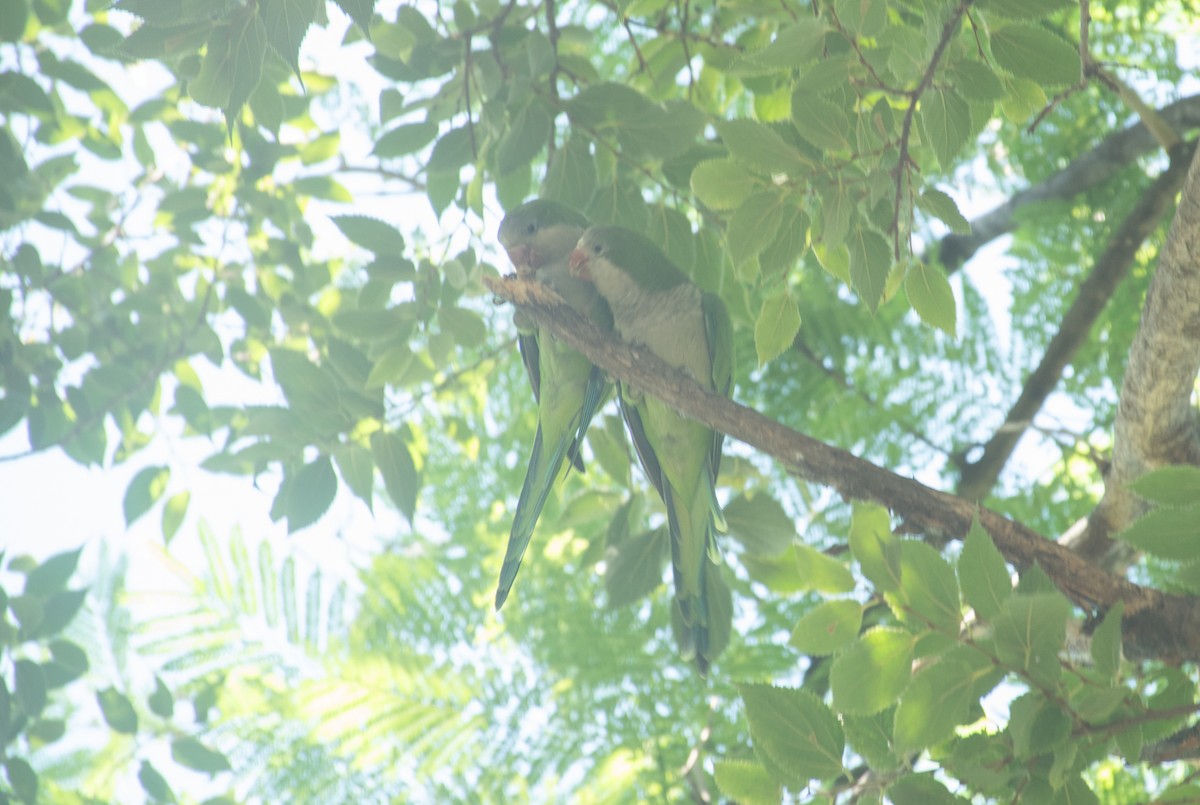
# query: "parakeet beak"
[[579, 264], [522, 259]]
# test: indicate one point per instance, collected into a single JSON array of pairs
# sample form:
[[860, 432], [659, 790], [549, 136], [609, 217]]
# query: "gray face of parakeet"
[[539, 233]]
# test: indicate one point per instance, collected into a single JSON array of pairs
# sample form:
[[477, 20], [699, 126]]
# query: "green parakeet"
[[538, 237], [653, 303]]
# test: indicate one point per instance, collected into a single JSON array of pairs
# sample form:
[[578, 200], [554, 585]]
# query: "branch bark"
[[980, 476], [1156, 419], [1155, 624], [1086, 171]]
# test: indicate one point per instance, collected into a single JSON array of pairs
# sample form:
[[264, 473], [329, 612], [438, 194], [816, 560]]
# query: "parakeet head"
[[538, 233], [627, 251]]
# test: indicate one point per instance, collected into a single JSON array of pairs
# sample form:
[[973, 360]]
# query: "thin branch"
[[1155, 624], [980, 476], [1088, 170]]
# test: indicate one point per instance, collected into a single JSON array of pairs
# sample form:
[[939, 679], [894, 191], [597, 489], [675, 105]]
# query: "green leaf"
[[753, 226], [144, 490], [822, 123], [1106, 643], [372, 234], [405, 139], [870, 675], [759, 146], [357, 469], [822, 573], [635, 569], [862, 17], [776, 328], [14, 16], [760, 524], [930, 295], [286, 22], [232, 65], [872, 543], [1037, 725], [22, 778], [1166, 533], [67, 663], [174, 510], [466, 326], [1170, 486], [920, 789], [928, 592], [1030, 631], [310, 493], [936, 702], [982, 573], [161, 702], [399, 473], [1030, 51], [945, 119], [571, 175], [154, 783], [870, 264], [794, 46], [192, 754], [58, 610], [118, 711], [794, 733], [746, 781], [29, 688], [524, 138], [942, 207], [52, 575], [722, 184], [976, 81], [1023, 9], [831, 626]]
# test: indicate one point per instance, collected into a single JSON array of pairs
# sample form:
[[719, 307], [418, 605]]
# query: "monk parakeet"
[[538, 237], [653, 303]]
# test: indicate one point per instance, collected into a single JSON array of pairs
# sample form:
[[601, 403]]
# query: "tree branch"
[[1156, 420], [980, 476], [1155, 624], [1085, 172]]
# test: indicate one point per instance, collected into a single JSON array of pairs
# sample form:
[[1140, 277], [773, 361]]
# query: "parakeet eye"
[[597, 248], [529, 230]]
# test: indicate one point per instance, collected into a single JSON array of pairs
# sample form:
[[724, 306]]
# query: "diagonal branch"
[[1087, 171], [1156, 419], [1155, 624], [980, 476]]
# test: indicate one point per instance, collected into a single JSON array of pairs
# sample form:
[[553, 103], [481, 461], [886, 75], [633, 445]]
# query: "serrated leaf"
[[976, 81], [759, 522], [192, 754], [942, 207], [928, 592], [286, 22], [1030, 631], [399, 473], [794, 733], [920, 789], [930, 295], [982, 573], [935, 702], [372, 234], [1171, 486], [143, 491], [873, 545], [310, 493], [1037, 725], [753, 226], [1023, 9], [945, 120], [1029, 51], [118, 711], [871, 674], [746, 781], [1167, 533], [759, 146], [636, 567], [829, 627], [571, 175], [822, 123], [524, 138], [776, 327], [870, 264], [405, 139], [722, 184], [821, 573]]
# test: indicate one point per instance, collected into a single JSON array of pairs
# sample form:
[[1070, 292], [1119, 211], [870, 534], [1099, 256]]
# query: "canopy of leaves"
[[305, 195]]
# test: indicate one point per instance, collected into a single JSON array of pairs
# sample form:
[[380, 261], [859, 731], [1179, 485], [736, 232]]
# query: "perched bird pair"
[[617, 277]]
